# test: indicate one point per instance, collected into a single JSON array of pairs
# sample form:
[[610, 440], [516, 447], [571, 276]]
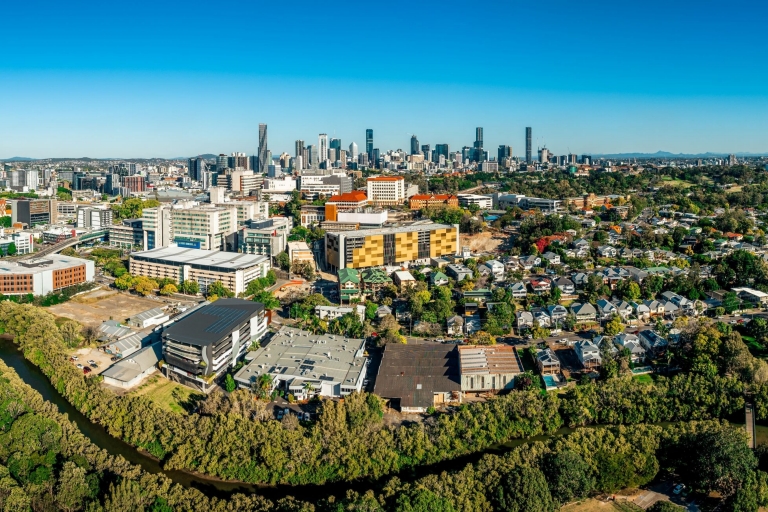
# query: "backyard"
[[169, 395]]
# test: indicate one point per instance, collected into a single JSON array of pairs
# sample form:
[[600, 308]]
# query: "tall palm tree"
[[308, 387]]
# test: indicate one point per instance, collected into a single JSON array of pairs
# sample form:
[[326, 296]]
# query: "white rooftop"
[[199, 257]]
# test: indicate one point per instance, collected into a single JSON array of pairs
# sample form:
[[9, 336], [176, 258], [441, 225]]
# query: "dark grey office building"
[[442, 149], [414, 145], [504, 152], [201, 345], [369, 143], [263, 157], [528, 159]]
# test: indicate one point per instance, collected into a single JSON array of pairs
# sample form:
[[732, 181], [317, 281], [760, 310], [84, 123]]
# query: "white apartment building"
[[203, 227], [247, 210], [386, 190], [96, 218], [283, 184]]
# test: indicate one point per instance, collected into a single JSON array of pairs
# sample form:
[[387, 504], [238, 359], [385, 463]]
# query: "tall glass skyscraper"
[[414, 145], [299, 147], [263, 160], [322, 144], [369, 143], [528, 159]]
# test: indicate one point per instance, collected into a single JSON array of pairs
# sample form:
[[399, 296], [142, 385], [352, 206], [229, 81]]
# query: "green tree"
[[11, 249], [70, 332], [370, 310], [73, 487], [144, 285], [283, 261], [614, 326], [267, 299], [569, 476], [190, 287], [229, 383], [665, 506], [524, 489], [124, 282], [168, 289], [218, 289]]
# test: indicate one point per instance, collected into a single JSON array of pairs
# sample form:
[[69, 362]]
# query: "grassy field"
[[593, 505], [667, 181], [168, 395], [645, 378]]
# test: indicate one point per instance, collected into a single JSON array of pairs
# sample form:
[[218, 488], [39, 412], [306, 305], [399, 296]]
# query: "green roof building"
[[349, 284]]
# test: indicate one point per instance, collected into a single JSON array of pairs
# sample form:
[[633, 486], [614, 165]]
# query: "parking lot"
[[86, 354]]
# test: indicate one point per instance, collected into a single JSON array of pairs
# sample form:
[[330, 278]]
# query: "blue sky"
[[167, 79]]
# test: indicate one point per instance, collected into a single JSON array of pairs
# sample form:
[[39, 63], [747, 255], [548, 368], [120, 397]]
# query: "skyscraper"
[[477, 153], [334, 150], [504, 153], [369, 143], [353, 151], [425, 150], [442, 150], [414, 145], [528, 159], [313, 156], [263, 161], [299, 146], [322, 144], [196, 167]]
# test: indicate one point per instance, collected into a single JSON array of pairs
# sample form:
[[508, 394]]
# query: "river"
[[32, 375]]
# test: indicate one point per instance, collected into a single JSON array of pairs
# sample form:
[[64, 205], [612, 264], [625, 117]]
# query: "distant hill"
[[667, 154], [207, 156], [17, 159]]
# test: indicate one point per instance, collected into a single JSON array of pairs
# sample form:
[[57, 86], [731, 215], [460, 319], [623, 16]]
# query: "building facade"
[[386, 190], [390, 246], [233, 270], [41, 276]]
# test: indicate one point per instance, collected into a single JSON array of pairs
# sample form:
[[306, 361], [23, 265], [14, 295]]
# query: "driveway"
[[663, 492]]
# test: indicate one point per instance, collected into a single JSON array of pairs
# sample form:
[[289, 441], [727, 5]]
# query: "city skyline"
[[593, 79]]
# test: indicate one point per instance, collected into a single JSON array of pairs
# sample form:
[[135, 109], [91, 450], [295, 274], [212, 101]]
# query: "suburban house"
[[606, 251], [541, 316], [437, 278], [557, 313], [528, 262], [524, 320], [518, 290], [585, 312], [652, 342], [655, 308], [632, 343], [458, 271], [551, 257], [580, 279], [492, 267], [566, 285], [349, 284], [624, 309], [588, 354], [455, 326], [403, 279], [540, 285], [374, 280], [547, 362], [606, 309], [641, 310]]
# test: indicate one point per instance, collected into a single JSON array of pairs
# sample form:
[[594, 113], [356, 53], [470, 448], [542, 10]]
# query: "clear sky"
[[168, 79]]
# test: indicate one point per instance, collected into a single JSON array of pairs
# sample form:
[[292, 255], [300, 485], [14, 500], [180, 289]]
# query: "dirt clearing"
[[99, 305], [485, 242]]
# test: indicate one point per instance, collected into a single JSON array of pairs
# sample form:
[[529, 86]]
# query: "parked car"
[[91, 361], [94, 366], [79, 366], [73, 358], [113, 358], [678, 488], [86, 370]]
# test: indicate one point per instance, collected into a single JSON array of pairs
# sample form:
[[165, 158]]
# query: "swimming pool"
[[549, 381]]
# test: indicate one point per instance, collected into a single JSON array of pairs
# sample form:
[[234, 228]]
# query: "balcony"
[[188, 366]]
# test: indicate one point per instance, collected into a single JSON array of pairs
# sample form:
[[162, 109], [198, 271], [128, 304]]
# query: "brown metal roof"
[[414, 373]]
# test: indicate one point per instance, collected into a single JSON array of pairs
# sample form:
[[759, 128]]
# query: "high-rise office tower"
[[375, 157], [334, 150], [425, 150], [504, 153], [478, 155], [442, 149], [299, 147], [414, 145], [369, 143], [322, 144], [543, 155], [196, 168], [528, 159], [353, 151], [222, 162], [263, 161], [314, 158]]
